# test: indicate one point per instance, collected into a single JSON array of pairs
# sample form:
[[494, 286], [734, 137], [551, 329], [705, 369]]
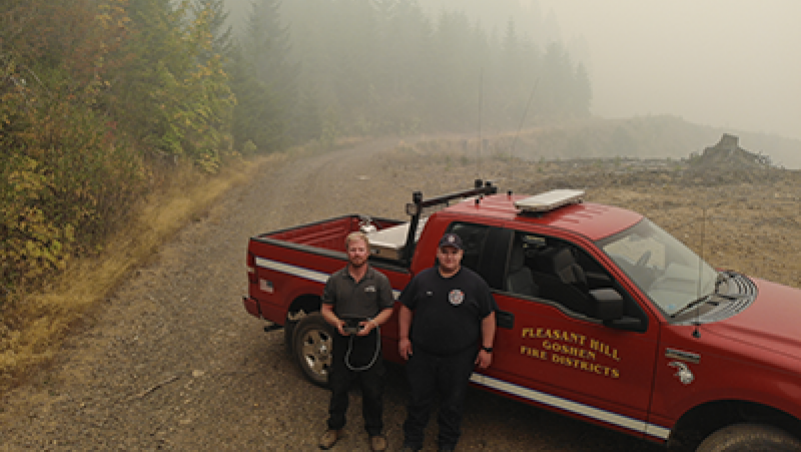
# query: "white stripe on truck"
[[301, 272], [571, 406]]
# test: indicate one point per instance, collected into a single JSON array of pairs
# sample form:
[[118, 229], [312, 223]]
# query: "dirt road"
[[174, 362]]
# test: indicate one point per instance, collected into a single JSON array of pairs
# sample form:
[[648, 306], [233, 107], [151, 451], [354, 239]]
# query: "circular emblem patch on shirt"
[[456, 297]]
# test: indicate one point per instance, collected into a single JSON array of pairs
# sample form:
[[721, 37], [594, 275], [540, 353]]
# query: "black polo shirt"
[[447, 311], [364, 299]]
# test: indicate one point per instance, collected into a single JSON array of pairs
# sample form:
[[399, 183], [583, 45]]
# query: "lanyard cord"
[[375, 355]]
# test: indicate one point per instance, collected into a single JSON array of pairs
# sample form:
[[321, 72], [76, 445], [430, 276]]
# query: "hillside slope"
[[663, 137]]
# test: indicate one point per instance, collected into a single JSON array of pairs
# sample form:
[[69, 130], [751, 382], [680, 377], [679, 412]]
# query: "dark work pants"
[[371, 381], [430, 375]]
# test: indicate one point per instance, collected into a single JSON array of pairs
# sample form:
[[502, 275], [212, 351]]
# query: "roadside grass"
[[33, 329]]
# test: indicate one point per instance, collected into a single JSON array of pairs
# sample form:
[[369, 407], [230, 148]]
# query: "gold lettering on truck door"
[[569, 349]]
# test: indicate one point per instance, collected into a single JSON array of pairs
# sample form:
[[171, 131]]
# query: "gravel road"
[[173, 362]]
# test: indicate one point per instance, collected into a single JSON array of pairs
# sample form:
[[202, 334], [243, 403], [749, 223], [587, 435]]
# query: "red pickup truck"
[[602, 315]]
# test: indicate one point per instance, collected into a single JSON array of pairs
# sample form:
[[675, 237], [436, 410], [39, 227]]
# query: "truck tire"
[[312, 344], [750, 438]]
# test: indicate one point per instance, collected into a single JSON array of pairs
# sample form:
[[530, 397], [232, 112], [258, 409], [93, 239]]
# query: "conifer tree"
[[221, 32], [581, 98], [256, 116], [264, 80]]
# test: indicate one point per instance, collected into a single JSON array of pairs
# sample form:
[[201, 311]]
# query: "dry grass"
[[43, 319]]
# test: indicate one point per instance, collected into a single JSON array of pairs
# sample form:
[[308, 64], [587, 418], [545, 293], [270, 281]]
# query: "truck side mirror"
[[608, 304], [609, 308]]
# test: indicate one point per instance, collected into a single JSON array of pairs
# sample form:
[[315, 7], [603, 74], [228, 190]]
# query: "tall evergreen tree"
[[582, 91], [557, 80], [308, 122], [157, 52], [511, 66], [256, 116], [456, 77], [264, 80], [221, 31]]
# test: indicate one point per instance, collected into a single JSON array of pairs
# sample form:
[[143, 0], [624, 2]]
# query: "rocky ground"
[[173, 362]]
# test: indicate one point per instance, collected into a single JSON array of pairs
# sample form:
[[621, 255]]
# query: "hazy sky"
[[722, 63]]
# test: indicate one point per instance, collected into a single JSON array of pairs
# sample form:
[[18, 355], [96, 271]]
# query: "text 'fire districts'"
[[570, 349]]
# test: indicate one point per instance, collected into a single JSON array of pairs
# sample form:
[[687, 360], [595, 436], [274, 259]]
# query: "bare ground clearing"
[[173, 362]]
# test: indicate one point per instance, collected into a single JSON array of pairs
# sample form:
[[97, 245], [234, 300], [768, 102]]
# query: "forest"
[[103, 100]]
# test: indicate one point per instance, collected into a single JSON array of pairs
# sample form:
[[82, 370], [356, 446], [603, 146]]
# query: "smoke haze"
[[729, 66], [723, 63]]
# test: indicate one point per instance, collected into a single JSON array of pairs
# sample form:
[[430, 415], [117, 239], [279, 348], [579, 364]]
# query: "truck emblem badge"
[[684, 373], [456, 297]]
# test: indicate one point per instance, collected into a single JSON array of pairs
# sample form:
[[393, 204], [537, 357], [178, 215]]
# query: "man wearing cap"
[[446, 328]]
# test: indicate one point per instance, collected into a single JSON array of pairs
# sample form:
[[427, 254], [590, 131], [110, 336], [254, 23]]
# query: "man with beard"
[[357, 294]]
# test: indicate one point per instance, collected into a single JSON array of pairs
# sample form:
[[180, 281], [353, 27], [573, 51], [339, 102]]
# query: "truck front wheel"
[[312, 345], [750, 438]]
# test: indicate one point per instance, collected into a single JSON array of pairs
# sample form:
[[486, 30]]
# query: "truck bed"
[[292, 263], [387, 236]]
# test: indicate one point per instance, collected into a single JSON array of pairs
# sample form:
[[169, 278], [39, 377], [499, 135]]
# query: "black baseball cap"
[[451, 239]]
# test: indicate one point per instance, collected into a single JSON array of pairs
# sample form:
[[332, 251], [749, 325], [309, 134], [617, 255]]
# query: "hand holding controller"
[[352, 326]]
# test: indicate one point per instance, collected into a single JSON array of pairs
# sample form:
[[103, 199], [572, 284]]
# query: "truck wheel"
[[750, 438], [312, 345]]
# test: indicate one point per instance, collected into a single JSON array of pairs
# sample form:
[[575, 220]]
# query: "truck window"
[[545, 268], [664, 268], [486, 250], [538, 268]]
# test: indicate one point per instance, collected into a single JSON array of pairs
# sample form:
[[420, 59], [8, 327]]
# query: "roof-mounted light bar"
[[550, 200]]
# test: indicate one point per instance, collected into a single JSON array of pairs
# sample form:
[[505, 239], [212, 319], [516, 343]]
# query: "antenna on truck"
[[697, 330], [416, 207], [520, 127], [480, 106]]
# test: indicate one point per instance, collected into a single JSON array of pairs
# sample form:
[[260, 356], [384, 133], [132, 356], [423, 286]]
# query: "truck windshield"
[[670, 273]]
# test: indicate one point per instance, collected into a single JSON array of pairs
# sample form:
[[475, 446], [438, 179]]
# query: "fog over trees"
[[387, 66]]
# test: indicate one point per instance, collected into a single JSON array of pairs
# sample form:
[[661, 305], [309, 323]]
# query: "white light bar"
[[550, 200]]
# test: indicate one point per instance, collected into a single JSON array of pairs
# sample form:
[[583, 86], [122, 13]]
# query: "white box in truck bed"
[[388, 243]]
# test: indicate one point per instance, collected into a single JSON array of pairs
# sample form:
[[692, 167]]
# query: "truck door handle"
[[505, 319]]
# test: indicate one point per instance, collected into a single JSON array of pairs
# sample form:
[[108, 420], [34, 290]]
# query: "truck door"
[[548, 344]]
